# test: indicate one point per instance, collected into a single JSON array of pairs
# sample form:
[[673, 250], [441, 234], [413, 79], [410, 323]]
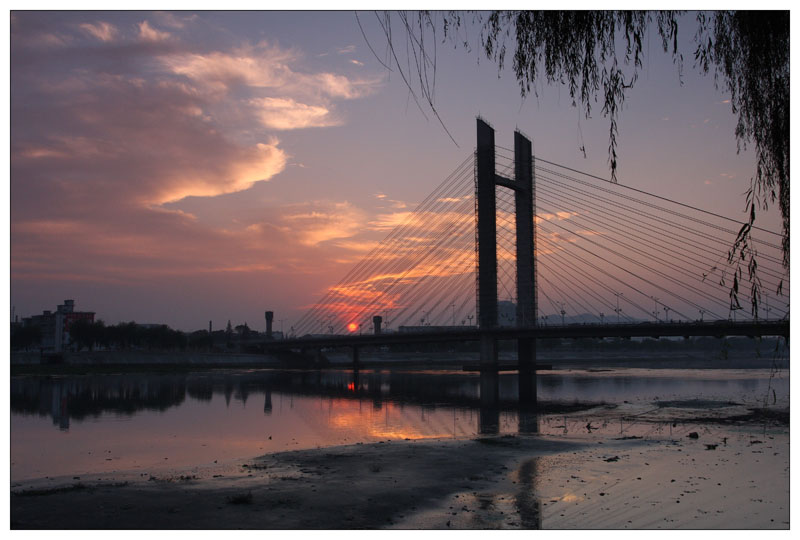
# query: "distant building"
[[54, 327], [46, 322]]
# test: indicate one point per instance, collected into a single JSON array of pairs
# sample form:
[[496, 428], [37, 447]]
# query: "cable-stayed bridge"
[[512, 246]]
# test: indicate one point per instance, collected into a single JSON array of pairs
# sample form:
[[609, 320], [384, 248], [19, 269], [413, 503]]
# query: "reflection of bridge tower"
[[486, 239]]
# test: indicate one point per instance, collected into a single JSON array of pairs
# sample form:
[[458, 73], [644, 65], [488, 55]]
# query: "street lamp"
[[655, 309], [618, 310]]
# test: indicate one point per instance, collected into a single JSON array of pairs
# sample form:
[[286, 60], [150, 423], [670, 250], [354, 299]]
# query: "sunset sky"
[[184, 167]]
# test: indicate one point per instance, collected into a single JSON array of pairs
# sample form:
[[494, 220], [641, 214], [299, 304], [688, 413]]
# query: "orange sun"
[[352, 327]]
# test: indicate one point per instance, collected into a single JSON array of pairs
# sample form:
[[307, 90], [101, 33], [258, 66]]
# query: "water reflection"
[[80, 397], [65, 398], [143, 420]]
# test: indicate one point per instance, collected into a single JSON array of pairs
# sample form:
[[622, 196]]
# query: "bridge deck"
[[655, 330]]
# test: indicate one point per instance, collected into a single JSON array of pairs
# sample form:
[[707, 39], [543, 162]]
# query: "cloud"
[[148, 33], [350, 49], [155, 150], [174, 21], [387, 222], [356, 62], [325, 221], [262, 67], [286, 113], [266, 68], [343, 87], [100, 30], [47, 40]]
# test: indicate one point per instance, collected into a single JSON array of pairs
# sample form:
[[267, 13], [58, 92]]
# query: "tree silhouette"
[[86, 334], [25, 336]]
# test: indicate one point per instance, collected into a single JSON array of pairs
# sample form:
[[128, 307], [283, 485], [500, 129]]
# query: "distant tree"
[[124, 335], [598, 56], [199, 339], [25, 336], [80, 333], [229, 335], [162, 338], [85, 334], [243, 330]]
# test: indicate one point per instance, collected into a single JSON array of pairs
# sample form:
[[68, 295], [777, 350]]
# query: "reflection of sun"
[[390, 422], [352, 327]]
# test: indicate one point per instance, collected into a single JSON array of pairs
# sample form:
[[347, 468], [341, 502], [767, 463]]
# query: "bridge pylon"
[[486, 239]]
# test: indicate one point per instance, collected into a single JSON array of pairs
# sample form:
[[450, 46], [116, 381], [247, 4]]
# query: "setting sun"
[[352, 327]]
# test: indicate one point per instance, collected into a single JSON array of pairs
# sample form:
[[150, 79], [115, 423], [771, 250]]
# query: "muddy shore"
[[670, 473]]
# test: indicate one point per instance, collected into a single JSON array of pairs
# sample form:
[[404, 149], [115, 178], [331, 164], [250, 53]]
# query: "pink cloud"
[[286, 113], [100, 30], [148, 33]]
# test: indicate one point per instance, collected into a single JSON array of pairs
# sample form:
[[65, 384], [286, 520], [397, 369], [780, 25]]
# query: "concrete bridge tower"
[[486, 237]]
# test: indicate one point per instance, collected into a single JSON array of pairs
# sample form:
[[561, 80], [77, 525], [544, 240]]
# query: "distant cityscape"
[[67, 329]]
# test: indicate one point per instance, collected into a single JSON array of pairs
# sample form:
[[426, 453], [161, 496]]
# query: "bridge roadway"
[[574, 331]]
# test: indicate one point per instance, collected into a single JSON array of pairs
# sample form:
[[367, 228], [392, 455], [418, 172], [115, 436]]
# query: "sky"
[[182, 167]]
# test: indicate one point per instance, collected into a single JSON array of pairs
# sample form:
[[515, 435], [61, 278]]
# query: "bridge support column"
[[487, 246], [526, 264], [526, 355], [356, 359], [489, 375]]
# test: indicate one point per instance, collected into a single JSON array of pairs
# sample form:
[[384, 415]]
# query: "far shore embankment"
[[32, 362]]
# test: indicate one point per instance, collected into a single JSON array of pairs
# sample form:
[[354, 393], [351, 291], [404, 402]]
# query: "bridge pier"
[[356, 359], [526, 356], [489, 371]]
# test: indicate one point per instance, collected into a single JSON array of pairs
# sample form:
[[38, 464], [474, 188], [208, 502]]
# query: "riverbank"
[[679, 468], [143, 361]]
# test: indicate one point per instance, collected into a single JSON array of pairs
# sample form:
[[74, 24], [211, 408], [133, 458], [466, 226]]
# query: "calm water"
[[75, 425]]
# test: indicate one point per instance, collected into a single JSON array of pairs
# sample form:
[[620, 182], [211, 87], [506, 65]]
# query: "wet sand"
[[674, 467]]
